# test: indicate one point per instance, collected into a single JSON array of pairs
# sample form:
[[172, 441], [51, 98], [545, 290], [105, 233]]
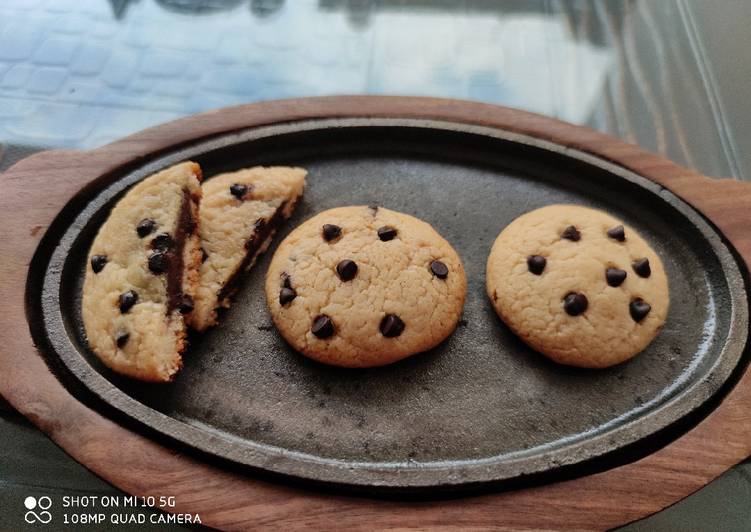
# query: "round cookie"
[[578, 285], [365, 286]]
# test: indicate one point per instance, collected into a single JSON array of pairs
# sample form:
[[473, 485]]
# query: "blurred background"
[[670, 75]]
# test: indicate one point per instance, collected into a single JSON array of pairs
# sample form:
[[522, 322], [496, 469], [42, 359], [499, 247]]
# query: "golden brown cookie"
[[141, 276], [365, 286], [240, 212], [578, 285]]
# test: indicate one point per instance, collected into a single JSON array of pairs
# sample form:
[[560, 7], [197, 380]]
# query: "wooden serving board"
[[37, 188]]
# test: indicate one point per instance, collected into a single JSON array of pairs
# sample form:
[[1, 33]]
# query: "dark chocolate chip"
[[571, 233], [145, 227], [159, 262], [286, 295], [162, 242], [331, 232], [617, 233], [238, 190], [204, 255], [439, 269], [386, 233], [536, 264], [615, 276], [391, 326], [186, 304], [98, 262], [286, 280], [346, 269], [122, 339], [322, 327], [642, 268], [639, 309], [127, 300], [575, 303]]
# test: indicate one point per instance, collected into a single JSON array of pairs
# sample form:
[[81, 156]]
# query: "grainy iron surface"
[[481, 407]]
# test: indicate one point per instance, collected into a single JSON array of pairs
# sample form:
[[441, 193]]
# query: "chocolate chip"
[[641, 267], [615, 276], [639, 309], [204, 255], [122, 339], [322, 327], [162, 242], [159, 262], [238, 190], [439, 269], [391, 326], [575, 303], [127, 300], [386, 233], [571, 233], [331, 232], [98, 262], [286, 295], [286, 280], [186, 304], [536, 264], [617, 233], [145, 227], [346, 269]]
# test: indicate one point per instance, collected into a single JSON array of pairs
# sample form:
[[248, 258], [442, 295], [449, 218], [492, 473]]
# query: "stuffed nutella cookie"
[[240, 212], [365, 286], [141, 276], [578, 285]]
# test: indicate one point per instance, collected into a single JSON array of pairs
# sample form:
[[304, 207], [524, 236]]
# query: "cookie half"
[[362, 286], [142, 273], [578, 285], [240, 213]]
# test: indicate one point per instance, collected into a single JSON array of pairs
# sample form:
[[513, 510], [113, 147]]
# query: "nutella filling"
[[185, 227], [262, 231]]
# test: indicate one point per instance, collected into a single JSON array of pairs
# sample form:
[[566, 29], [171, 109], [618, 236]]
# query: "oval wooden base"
[[34, 191]]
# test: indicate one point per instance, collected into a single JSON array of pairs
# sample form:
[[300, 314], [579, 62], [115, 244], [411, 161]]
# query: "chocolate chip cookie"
[[365, 286], [578, 285], [240, 213], [141, 276]]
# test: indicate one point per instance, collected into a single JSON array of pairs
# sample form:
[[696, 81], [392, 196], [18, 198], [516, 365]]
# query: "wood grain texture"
[[33, 192]]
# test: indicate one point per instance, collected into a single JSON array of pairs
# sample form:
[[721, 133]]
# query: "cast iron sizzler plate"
[[482, 408]]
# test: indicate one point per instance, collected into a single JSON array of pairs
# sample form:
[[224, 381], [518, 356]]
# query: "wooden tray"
[[42, 398], [481, 408]]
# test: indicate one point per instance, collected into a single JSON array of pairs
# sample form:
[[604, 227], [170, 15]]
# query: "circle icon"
[[30, 502], [44, 502]]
